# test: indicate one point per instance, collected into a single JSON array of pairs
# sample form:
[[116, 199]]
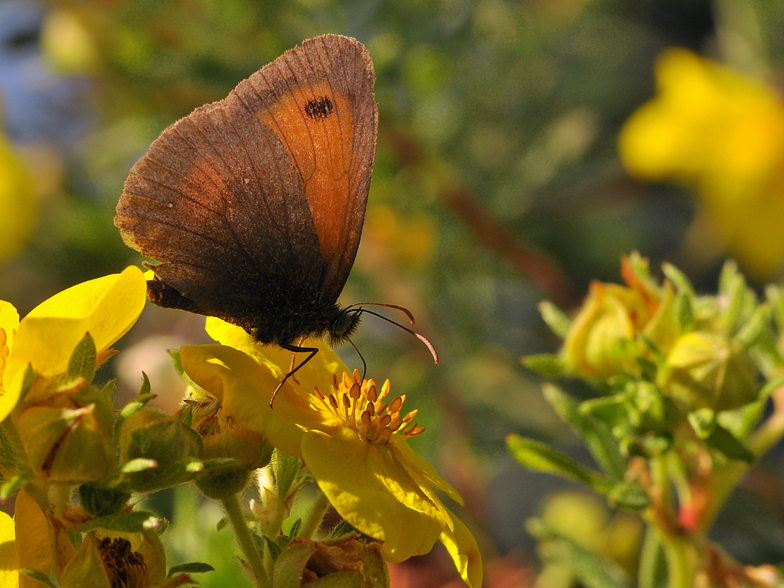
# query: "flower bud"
[[338, 562], [704, 370], [153, 434], [56, 441]]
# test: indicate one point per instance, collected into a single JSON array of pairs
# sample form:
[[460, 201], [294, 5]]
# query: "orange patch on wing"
[[311, 116]]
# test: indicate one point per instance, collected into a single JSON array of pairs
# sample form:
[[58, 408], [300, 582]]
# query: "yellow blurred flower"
[[9, 562], [721, 133], [18, 206], [106, 307], [350, 435]]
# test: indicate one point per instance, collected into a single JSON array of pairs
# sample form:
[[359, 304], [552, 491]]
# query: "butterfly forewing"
[[254, 205]]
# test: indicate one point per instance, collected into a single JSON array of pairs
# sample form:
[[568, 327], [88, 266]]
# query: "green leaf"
[[652, 572], [127, 522], [83, 361], [555, 318], [611, 410], [682, 284], [754, 328], [703, 421], [102, 500], [684, 313], [14, 484], [776, 299], [547, 365], [286, 469], [341, 529], [294, 531], [274, 548], [629, 495], [39, 576], [593, 432], [540, 457], [195, 567], [736, 299], [725, 442]]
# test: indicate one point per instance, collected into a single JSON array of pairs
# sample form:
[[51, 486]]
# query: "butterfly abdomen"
[[288, 328]]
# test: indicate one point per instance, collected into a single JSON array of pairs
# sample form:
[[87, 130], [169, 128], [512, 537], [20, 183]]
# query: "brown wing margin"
[[319, 102]]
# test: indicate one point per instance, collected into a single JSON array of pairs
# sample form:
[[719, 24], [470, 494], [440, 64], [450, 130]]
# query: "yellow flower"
[[9, 562], [721, 133], [17, 202], [601, 341], [350, 434], [106, 308]]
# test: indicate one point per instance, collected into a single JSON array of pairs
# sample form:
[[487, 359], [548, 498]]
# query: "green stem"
[[245, 539], [315, 516], [680, 561]]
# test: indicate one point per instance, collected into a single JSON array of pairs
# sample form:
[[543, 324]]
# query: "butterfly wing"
[[254, 205], [318, 99]]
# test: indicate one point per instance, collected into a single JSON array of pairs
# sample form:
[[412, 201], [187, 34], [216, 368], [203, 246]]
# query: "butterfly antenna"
[[364, 363], [395, 306], [427, 343], [312, 351]]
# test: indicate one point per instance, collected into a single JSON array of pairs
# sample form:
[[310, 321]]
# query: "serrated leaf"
[[547, 365], [38, 576], [274, 549], [129, 522], [540, 457], [593, 432], [195, 567], [555, 318], [84, 360], [341, 529]]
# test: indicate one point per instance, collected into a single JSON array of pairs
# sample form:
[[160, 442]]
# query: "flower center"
[[124, 566], [363, 408]]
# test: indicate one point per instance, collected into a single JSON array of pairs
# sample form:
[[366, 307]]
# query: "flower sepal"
[[338, 562]]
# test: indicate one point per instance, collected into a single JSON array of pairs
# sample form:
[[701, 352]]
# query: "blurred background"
[[524, 147]]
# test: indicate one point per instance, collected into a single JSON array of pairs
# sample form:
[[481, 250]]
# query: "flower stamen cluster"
[[360, 406]]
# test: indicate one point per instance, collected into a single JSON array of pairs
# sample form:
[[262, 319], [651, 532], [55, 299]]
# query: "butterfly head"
[[343, 324]]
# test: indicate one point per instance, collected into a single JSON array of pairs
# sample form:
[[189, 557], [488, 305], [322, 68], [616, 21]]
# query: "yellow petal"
[[428, 472], [373, 493], [105, 307], [18, 206], [32, 537], [464, 550], [9, 564], [9, 325], [317, 372], [244, 388]]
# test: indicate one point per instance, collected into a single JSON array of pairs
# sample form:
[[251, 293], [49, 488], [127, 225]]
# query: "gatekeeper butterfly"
[[253, 205]]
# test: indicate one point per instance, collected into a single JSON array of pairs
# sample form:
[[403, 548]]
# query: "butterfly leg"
[[311, 351]]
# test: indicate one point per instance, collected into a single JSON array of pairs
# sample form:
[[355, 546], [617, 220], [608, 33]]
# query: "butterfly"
[[254, 205]]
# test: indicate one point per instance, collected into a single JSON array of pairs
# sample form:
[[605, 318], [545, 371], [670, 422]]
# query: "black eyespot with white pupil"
[[319, 108]]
